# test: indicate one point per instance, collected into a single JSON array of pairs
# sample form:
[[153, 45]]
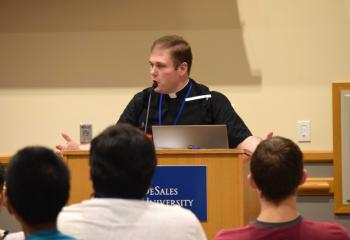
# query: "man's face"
[[164, 72]]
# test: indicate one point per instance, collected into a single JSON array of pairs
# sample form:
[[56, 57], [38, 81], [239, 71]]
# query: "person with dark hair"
[[177, 99], [122, 163], [37, 187], [276, 172]]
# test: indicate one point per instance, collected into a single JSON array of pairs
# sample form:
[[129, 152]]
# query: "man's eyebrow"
[[157, 63]]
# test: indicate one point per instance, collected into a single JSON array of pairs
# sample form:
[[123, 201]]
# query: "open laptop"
[[190, 136]]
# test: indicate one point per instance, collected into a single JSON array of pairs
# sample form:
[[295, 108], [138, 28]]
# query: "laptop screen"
[[190, 136]]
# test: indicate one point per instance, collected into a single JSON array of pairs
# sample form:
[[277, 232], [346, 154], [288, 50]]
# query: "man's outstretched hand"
[[69, 145]]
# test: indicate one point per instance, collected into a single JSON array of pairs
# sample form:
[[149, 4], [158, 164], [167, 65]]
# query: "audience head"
[[37, 185], [180, 50], [122, 162], [277, 168]]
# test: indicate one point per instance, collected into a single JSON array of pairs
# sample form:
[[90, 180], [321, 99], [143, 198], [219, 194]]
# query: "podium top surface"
[[176, 151]]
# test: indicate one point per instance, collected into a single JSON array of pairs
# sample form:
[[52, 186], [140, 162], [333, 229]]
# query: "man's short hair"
[[122, 162], [180, 50], [37, 185], [2, 176], [277, 168]]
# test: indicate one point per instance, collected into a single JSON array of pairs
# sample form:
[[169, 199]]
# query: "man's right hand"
[[70, 143]]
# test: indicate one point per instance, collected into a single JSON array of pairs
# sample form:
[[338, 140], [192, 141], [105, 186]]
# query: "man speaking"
[[175, 98]]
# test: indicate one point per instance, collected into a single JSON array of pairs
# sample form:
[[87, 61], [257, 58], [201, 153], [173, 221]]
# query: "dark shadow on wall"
[[320, 208], [105, 43]]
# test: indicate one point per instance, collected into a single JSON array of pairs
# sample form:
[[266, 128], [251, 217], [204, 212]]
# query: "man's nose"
[[153, 71]]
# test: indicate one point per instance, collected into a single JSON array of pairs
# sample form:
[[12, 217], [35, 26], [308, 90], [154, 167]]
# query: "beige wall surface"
[[66, 62]]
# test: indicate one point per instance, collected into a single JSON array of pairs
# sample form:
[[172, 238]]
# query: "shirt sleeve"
[[15, 236], [337, 232], [223, 113], [200, 234], [133, 110]]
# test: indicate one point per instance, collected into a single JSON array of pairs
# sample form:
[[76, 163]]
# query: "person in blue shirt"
[[37, 187]]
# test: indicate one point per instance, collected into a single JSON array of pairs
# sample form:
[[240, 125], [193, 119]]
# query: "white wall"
[[62, 63], [298, 48]]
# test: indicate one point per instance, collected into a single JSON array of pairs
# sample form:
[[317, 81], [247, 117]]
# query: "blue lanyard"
[[180, 110]]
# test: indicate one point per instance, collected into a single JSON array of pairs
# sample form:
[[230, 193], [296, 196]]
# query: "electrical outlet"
[[304, 133]]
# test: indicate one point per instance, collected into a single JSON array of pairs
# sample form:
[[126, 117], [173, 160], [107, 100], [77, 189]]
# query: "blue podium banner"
[[181, 185]]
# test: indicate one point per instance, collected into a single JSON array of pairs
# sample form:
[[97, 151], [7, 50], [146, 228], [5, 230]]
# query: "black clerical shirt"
[[216, 109]]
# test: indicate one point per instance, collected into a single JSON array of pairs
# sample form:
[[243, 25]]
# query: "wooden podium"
[[230, 201]]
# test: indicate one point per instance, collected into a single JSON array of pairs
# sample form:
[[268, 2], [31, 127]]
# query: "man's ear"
[[183, 68], [304, 177], [251, 181]]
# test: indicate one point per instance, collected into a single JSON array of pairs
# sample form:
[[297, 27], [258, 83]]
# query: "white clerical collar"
[[173, 95]]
